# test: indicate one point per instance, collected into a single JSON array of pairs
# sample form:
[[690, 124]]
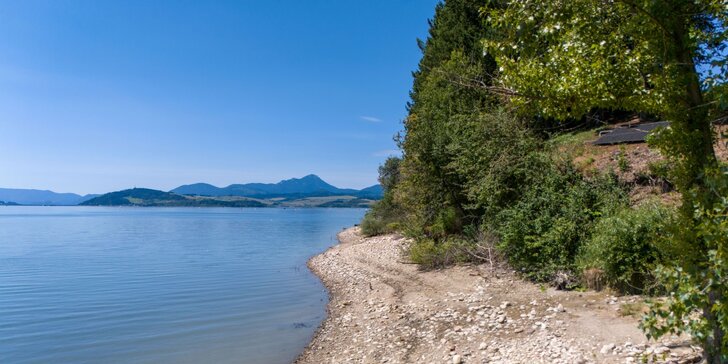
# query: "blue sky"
[[98, 96]]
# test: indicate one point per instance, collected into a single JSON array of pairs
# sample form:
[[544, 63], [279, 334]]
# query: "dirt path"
[[383, 310]]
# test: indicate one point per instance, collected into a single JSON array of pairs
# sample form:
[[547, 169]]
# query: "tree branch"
[[481, 85], [649, 15]]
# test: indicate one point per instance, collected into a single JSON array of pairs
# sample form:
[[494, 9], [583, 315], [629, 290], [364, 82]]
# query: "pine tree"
[[444, 86]]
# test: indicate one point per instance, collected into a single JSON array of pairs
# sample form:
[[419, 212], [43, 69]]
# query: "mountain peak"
[[306, 178], [309, 183]]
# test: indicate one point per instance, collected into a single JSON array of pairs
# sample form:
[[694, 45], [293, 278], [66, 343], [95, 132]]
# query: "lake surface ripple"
[[161, 285]]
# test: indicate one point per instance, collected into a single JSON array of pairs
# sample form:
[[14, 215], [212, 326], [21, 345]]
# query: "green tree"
[[495, 153], [443, 88], [385, 214], [389, 174], [563, 58]]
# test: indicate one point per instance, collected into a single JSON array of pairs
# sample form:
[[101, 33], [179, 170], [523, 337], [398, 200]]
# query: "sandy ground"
[[385, 310]]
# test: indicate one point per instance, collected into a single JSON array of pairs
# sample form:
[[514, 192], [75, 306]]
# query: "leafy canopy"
[[562, 58]]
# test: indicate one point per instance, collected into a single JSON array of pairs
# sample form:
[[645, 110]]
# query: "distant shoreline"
[[308, 190], [195, 207]]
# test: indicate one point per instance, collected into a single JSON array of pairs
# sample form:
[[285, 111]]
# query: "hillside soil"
[[630, 162], [385, 310]]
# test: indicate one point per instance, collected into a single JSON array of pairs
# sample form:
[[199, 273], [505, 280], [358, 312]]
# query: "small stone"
[[457, 359], [483, 346], [607, 348]]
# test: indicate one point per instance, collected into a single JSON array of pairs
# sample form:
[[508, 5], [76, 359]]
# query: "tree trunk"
[[698, 156], [713, 351], [697, 111]]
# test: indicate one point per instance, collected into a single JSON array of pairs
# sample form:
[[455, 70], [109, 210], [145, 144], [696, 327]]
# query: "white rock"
[[607, 348], [457, 359]]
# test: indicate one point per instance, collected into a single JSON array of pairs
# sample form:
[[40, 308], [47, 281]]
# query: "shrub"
[[660, 169], [626, 247], [382, 218], [372, 225], [446, 223], [385, 215], [542, 232], [430, 254], [622, 161], [479, 247], [657, 174]]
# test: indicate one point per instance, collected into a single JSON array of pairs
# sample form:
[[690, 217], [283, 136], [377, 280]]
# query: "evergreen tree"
[[445, 86]]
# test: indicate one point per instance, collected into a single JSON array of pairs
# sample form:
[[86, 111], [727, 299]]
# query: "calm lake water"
[[161, 285]]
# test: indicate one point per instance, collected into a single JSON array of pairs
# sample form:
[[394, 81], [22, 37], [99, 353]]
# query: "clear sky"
[[97, 96]]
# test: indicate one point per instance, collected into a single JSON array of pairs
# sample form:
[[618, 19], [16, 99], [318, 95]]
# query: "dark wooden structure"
[[635, 133]]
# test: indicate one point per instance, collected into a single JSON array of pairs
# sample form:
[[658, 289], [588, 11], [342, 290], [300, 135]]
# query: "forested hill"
[[137, 197]]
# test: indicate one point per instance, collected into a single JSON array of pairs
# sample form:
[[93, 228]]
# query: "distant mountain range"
[[306, 191], [41, 197], [147, 197], [308, 186]]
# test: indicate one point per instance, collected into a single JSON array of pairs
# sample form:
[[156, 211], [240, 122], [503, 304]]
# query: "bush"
[[626, 247], [542, 232], [382, 218], [430, 254], [660, 169], [385, 215], [478, 248], [446, 223]]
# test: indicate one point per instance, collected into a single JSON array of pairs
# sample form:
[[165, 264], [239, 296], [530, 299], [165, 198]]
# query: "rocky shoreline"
[[384, 310]]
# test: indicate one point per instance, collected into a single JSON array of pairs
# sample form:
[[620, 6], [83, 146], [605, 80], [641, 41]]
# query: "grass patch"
[[634, 309]]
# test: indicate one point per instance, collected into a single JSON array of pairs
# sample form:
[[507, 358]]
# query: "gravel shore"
[[385, 310]]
